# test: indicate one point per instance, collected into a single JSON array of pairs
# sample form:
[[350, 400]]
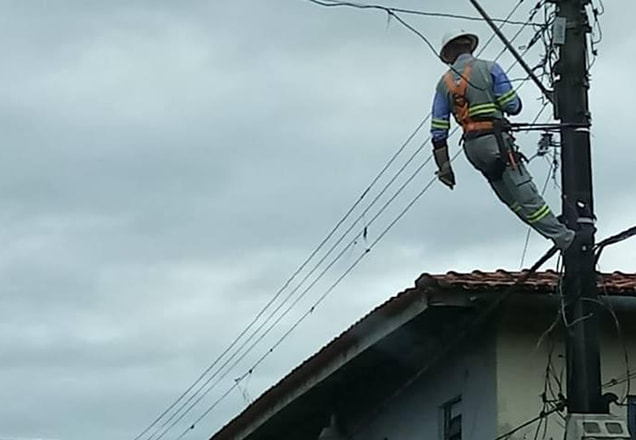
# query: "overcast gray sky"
[[167, 165]]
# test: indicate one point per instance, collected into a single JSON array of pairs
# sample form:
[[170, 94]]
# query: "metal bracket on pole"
[[547, 93]]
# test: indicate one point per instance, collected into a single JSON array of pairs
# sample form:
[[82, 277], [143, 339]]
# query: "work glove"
[[445, 171]]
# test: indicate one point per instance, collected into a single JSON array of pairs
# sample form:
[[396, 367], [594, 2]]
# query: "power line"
[[540, 417], [318, 302], [280, 291], [293, 276], [545, 187], [622, 236], [335, 3], [304, 293], [287, 298], [393, 14], [313, 254], [619, 332]]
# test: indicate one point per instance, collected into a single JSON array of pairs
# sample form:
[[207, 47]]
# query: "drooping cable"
[[620, 237], [321, 245], [545, 187], [517, 5], [607, 305], [311, 310], [393, 14], [337, 3]]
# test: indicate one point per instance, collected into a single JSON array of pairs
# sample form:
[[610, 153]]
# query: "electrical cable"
[[303, 317], [282, 316], [607, 305], [303, 265], [540, 417], [336, 3], [529, 231], [260, 314], [545, 186], [317, 303], [311, 310], [392, 14], [416, 130], [621, 236]]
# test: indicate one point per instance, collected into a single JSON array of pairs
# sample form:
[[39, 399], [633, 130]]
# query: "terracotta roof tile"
[[616, 283]]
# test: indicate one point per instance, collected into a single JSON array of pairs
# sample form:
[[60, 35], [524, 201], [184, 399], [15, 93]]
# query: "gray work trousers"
[[516, 189]]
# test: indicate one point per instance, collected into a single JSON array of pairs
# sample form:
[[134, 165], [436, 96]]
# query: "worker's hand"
[[446, 176]]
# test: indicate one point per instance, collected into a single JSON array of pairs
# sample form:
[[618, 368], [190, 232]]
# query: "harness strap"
[[458, 90]]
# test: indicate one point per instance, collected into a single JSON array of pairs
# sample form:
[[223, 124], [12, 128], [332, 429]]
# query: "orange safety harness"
[[461, 112]]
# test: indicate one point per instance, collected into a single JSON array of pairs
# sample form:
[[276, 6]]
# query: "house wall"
[[416, 412], [521, 361]]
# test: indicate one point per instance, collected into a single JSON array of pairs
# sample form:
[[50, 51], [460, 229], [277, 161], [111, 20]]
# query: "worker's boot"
[[565, 241]]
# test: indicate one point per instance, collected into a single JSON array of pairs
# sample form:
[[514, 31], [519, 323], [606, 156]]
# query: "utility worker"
[[478, 93]]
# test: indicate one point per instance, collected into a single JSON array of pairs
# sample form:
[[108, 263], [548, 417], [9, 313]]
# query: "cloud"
[[167, 167]]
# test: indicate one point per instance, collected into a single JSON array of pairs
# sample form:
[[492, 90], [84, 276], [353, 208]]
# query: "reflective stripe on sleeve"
[[440, 123], [507, 97]]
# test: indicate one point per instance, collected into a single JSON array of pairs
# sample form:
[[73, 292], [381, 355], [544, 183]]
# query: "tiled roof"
[[616, 283]]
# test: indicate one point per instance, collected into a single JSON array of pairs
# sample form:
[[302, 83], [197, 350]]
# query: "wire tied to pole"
[[614, 239]]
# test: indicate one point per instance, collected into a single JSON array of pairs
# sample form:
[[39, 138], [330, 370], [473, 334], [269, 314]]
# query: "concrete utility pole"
[[580, 288], [571, 28]]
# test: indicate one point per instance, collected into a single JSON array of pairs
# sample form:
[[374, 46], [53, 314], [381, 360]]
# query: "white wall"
[[521, 363], [416, 413]]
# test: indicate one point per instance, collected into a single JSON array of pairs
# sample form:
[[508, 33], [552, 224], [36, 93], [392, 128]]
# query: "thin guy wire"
[[545, 187]]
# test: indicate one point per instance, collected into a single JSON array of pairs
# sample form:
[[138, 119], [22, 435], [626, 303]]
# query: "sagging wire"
[[365, 192], [614, 239], [542, 415], [393, 14], [551, 398], [527, 239], [304, 264], [596, 36], [316, 304], [335, 3], [328, 292], [607, 305], [529, 231]]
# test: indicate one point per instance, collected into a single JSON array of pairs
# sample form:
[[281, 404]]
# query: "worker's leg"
[[516, 189], [532, 208], [483, 154]]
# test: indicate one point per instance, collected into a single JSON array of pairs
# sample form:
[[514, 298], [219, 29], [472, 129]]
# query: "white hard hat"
[[449, 37]]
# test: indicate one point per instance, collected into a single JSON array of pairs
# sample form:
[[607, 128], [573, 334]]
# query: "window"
[[631, 416], [452, 419]]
